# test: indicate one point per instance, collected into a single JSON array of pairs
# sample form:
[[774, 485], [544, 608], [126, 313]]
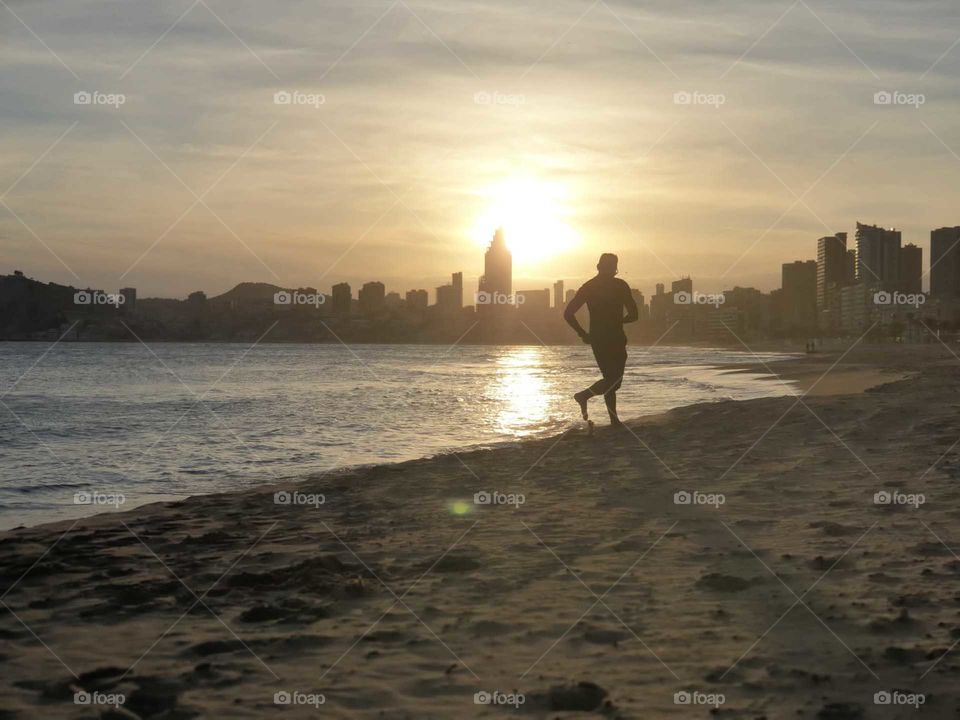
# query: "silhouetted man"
[[606, 297]]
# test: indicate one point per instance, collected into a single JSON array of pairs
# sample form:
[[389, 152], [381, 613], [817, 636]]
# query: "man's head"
[[607, 264]]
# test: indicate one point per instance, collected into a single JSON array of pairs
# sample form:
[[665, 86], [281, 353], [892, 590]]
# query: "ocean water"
[[99, 421]]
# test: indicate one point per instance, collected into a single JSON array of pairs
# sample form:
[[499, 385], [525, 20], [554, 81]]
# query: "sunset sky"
[[441, 120]]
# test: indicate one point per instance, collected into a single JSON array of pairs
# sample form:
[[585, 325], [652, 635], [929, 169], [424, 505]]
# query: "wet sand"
[[603, 593]]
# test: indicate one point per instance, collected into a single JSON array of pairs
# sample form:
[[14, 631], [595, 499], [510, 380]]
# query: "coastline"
[[795, 596], [702, 375]]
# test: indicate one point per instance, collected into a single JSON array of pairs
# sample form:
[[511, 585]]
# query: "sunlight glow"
[[521, 392], [535, 214]]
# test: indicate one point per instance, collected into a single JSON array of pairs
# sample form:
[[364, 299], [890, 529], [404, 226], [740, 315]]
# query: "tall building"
[[534, 301], [129, 296], [911, 269], [641, 304], [682, 285], [457, 282], [659, 305], [558, 294], [831, 266], [570, 295], [945, 263], [878, 256], [450, 297], [371, 297], [832, 273], [850, 268], [446, 298], [342, 297], [416, 300], [799, 298], [497, 266]]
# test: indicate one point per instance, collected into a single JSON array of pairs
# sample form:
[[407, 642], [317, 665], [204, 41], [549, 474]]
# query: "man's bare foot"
[[581, 398], [615, 422]]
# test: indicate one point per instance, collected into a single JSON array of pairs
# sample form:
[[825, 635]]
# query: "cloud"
[[399, 151]]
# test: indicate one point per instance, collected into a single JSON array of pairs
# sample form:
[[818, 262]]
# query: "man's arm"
[[570, 315], [632, 313]]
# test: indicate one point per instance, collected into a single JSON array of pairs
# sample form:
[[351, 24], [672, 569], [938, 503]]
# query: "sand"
[[797, 597]]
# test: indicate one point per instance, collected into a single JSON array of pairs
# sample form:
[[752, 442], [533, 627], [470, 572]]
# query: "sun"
[[535, 215]]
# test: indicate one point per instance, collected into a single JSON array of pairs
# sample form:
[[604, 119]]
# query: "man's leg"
[[610, 398], [615, 364], [581, 398], [598, 388]]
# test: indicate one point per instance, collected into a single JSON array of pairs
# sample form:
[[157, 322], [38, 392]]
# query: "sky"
[[691, 137]]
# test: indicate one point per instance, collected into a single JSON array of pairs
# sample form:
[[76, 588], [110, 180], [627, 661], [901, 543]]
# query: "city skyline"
[[944, 241]]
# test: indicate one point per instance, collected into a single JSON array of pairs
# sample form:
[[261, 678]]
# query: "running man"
[[605, 296]]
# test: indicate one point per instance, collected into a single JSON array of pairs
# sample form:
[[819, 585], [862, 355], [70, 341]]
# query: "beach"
[[777, 557]]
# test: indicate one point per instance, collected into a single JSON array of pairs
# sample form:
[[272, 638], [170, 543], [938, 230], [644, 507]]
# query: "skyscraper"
[[799, 298], [945, 263], [416, 300], [831, 265], [450, 297], [457, 282], [342, 298], [850, 268], [446, 298], [497, 267], [371, 297], [832, 273], [129, 296], [642, 310], [558, 294], [878, 256], [682, 285], [911, 269]]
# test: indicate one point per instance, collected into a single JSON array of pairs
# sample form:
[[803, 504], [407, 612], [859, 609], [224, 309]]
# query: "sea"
[[95, 427]]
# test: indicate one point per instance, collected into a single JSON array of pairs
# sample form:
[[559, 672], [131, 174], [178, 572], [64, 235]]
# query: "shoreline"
[[598, 592], [763, 371]]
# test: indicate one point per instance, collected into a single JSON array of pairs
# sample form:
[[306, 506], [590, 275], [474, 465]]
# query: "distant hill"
[[247, 292], [253, 292]]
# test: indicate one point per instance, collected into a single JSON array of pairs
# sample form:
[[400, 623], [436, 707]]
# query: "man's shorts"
[[611, 359]]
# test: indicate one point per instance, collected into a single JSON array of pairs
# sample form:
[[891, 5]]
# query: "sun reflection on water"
[[521, 391]]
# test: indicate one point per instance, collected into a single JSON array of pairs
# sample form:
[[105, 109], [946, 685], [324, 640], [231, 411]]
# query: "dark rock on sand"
[[841, 711], [582, 697], [456, 563], [723, 583]]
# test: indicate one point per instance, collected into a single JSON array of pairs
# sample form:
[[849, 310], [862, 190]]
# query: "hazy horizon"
[[440, 122]]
